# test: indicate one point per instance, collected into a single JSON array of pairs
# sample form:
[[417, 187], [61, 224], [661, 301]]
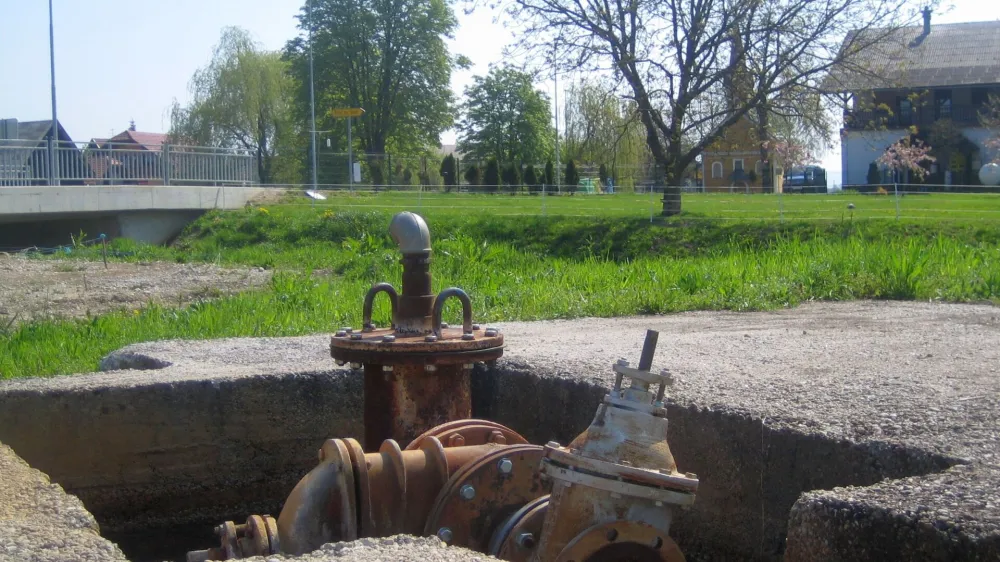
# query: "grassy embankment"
[[525, 268]]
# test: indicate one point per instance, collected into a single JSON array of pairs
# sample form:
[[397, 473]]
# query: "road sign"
[[347, 112]]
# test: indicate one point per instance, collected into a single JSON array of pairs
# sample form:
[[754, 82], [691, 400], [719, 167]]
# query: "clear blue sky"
[[118, 60]]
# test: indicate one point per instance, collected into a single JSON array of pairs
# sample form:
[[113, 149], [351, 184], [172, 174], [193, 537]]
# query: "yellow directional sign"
[[347, 112]]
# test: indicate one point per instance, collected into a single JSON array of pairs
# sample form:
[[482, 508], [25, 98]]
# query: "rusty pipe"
[[366, 313], [467, 333]]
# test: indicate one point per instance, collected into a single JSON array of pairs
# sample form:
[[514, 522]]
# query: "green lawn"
[[534, 267], [728, 206]]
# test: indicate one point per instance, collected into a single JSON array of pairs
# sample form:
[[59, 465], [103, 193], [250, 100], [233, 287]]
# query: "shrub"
[[512, 177], [602, 174], [572, 177], [550, 174], [491, 178], [449, 172], [472, 175], [531, 179]]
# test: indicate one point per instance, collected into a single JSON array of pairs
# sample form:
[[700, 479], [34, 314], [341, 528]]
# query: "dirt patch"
[[32, 289]]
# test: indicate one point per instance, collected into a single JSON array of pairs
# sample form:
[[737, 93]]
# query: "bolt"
[[622, 363], [526, 540], [492, 332], [505, 466], [691, 475], [553, 444], [444, 533], [475, 326], [340, 334], [467, 366], [356, 336], [431, 338], [444, 325], [355, 366], [456, 440], [468, 337], [467, 492], [387, 368], [389, 338], [430, 368], [497, 437], [340, 362], [347, 329]]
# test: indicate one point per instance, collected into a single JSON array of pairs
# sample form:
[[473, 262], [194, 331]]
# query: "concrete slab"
[[891, 408]]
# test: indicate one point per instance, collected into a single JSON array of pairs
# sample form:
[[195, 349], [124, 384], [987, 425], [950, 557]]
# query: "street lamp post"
[[54, 131], [555, 78], [312, 104]]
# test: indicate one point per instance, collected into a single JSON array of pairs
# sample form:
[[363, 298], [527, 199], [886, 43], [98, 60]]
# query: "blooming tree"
[[993, 146], [907, 155], [789, 154]]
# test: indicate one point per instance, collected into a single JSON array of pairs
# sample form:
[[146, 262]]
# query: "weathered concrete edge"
[[40, 522]]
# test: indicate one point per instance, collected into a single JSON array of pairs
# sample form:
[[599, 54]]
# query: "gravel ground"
[[32, 289], [391, 549]]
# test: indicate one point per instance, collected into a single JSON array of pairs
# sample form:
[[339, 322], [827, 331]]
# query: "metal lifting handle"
[[386, 288], [466, 310]]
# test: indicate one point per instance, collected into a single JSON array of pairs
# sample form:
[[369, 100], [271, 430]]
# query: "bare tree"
[[696, 67]]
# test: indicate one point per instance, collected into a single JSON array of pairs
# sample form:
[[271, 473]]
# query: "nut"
[[622, 363], [387, 368], [492, 332], [347, 329], [467, 366], [525, 540], [505, 466], [340, 362], [444, 325], [553, 445], [388, 338], [468, 337], [340, 334], [355, 366], [357, 336], [444, 533], [430, 368], [431, 338], [467, 492], [475, 326], [456, 440]]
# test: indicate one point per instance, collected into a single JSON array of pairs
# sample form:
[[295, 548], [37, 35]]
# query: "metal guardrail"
[[26, 163]]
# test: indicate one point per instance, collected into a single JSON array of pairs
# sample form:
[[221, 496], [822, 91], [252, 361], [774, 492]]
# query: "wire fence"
[[892, 202]]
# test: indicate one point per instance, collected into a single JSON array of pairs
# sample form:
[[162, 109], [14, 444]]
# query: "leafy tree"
[[678, 59], [243, 99], [449, 172], [388, 57], [491, 178], [531, 179], [472, 175], [407, 176], [512, 177], [550, 175], [572, 177], [874, 176], [907, 155], [506, 118]]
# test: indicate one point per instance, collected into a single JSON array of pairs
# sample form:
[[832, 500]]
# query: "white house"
[[918, 80]]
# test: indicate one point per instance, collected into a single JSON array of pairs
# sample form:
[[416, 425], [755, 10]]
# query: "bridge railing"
[[26, 163]]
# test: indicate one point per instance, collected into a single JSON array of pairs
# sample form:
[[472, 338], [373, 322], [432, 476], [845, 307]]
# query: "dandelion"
[[263, 211]]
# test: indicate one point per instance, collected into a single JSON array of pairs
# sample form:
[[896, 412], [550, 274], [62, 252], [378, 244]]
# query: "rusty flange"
[[470, 432], [621, 540], [448, 349], [516, 538], [484, 493], [257, 537]]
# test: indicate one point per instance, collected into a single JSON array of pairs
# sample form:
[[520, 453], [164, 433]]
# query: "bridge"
[[48, 215]]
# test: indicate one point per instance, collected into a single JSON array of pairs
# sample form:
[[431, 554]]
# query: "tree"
[[602, 174], [676, 58], [472, 175], [449, 172], [550, 175], [491, 178], [506, 118], [907, 155], [512, 177], [874, 176], [990, 117], [388, 57], [531, 179], [572, 177], [242, 99]]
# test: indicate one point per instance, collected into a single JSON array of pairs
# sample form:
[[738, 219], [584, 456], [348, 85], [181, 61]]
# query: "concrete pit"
[[852, 431]]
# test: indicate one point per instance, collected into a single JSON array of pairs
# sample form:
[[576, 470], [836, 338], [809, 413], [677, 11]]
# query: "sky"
[[119, 60]]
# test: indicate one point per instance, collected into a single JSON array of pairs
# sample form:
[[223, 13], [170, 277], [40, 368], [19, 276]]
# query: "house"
[[130, 157], [929, 82], [24, 155]]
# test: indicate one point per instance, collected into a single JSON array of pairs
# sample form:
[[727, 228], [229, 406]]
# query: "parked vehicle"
[[808, 179]]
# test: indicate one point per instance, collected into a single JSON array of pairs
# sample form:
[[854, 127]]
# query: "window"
[[716, 169], [737, 164], [942, 103], [905, 112]]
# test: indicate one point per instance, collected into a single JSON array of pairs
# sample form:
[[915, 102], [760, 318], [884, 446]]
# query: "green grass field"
[[529, 267], [714, 206]]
